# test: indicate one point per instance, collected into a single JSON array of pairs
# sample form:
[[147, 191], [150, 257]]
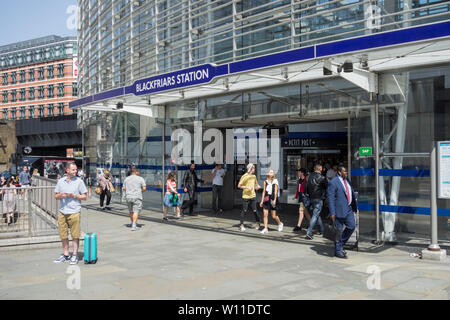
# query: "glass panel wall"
[[418, 114]]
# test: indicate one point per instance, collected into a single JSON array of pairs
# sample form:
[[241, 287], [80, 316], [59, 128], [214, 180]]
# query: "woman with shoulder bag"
[[172, 197], [105, 181], [303, 198], [270, 201]]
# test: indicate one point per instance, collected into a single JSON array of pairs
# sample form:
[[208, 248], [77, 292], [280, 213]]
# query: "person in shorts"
[[171, 191], [269, 201], [70, 190], [300, 195], [133, 186]]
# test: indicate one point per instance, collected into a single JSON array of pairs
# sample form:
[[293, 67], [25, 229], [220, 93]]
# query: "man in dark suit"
[[342, 204]]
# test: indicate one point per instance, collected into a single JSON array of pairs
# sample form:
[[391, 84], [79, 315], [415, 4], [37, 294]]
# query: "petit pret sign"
[[365, 151]]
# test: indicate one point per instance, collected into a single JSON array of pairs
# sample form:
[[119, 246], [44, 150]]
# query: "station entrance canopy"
[[369, 56]]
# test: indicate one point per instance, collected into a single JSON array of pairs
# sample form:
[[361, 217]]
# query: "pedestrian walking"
[[218, 173], [104, 181], [134, 185], [300, 195], [9, 194], [2, 183], [316, 188], [248, 183], [342, 204], [70, 190], [53, 172], [332, 172], [269, 201], [33, 177], [24, 181], [171, 197], [190, 182]]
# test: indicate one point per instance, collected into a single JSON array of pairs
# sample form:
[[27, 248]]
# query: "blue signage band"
[[178, 79]]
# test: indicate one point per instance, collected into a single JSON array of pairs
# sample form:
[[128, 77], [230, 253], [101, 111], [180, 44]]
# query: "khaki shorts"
[[134, 205], [66, 222]]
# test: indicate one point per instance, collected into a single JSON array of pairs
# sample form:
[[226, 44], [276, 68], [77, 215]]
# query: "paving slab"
[[207, 257]]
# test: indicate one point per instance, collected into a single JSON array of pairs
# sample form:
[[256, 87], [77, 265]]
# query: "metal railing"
[[31, 211]]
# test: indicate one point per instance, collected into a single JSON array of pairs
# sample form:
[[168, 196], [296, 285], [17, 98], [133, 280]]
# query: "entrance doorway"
[[295, 158]]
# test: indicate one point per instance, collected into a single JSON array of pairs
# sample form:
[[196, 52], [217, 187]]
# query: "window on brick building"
[[13, 77], [31, 111], [50, 72], [50, 110], [22, 76], [13, 95], [41, 73], [22, 113], [61, 70], [60, 89], [41, 92], [61, 108], [5, 79], [50, 91], [22, 94], [31, 75], [31, 93], [5, 96], [41, 111]]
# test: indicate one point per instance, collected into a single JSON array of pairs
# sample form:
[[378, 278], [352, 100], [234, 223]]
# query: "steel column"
[[434, 246]]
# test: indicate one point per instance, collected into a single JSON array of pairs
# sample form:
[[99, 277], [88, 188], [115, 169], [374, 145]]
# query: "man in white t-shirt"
[[218, 173], [133, 186]]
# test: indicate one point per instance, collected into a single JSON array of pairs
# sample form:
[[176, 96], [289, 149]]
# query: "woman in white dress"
[[9, 193]]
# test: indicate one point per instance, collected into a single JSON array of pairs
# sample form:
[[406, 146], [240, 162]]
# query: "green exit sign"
[[365, 151]]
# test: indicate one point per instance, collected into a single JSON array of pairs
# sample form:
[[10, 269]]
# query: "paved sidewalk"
[[206, 257]]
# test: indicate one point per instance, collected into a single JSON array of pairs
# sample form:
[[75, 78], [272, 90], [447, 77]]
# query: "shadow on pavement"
[[320, 245]]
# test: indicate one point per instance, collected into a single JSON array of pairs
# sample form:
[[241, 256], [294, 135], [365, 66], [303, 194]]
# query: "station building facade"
[[329, 76]]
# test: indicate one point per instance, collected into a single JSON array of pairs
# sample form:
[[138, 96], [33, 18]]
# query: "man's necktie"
[[347, 191]]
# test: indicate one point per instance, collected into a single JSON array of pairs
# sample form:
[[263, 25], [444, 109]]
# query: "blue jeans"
[[317, 205], [349, 222]]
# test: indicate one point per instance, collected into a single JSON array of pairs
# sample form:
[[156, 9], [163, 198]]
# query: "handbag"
[[331, 232], [266, 198], [98, 190], [111, 187], [173, 198]]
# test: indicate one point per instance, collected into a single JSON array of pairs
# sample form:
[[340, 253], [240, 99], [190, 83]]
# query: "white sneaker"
[[280, 227], [242, 228], [263, 231]]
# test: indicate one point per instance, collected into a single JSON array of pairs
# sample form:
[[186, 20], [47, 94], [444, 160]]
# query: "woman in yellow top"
[[248, 183]]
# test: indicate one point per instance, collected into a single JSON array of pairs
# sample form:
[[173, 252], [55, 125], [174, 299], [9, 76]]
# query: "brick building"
[[38, 79]]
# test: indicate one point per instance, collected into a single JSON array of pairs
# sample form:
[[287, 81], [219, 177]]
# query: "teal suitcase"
[[90, 248]]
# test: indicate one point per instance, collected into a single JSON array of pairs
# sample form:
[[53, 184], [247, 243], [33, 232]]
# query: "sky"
[[22, 20]]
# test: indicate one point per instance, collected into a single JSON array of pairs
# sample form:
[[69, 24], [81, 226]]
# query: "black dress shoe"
[[341, 255]]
